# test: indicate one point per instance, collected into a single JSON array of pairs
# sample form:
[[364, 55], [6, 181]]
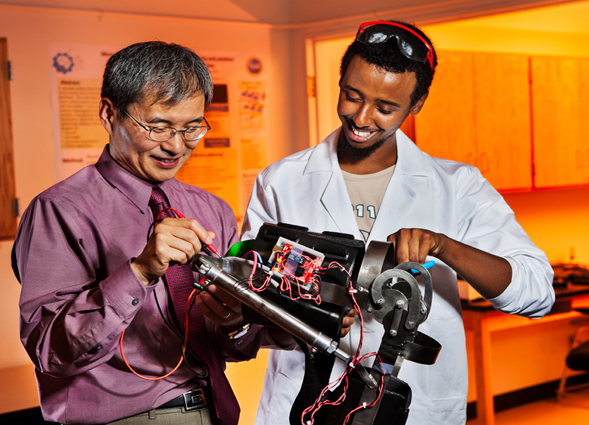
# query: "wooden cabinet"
[[502, 120], [560, 100], [445, 128], [478, 112], [7, 182]]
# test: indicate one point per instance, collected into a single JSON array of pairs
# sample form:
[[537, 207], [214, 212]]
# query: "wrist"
[[137, 271]]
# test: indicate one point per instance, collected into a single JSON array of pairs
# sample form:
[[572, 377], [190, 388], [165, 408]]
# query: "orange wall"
[[557, 220]]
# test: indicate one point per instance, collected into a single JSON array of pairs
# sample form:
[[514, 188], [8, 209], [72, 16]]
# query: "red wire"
[[181, 357], [318, 404], [285, 285], [178, 214]]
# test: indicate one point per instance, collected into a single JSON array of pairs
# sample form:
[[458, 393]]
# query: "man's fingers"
[[347, 322], [217, 310], [226, 298], [185, 230], [212, 306], [413, 244]]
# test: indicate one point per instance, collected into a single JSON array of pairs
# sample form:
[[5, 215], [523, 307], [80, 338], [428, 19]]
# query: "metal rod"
[[321, 342]]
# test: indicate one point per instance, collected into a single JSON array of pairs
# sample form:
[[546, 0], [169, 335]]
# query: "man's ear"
[[106, 113], [417, 107]]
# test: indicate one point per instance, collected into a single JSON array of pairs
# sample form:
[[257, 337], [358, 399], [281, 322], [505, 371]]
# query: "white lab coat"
[[308, 189]]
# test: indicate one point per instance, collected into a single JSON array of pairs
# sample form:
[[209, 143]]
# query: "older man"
[[426, 206], [106, 311]]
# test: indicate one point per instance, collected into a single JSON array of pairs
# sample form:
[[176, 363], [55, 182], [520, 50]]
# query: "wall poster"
[[76, 77], [227, 160]]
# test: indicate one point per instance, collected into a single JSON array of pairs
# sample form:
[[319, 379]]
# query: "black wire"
[[205, 371], [168, 324]]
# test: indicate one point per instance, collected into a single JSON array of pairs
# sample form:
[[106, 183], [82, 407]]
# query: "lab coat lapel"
[[329, 182], [400, 195], [336, 201]]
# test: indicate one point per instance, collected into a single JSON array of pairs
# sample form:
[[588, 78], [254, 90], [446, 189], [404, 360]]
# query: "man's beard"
[[351, 154]]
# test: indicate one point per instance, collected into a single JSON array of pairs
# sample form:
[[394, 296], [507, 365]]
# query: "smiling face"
[[131, 147], [373, 103]]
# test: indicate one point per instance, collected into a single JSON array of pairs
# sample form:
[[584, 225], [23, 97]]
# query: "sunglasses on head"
[[412, 45]]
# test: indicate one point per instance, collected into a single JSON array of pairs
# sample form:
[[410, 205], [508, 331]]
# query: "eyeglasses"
[[163, 134], [411, 44]]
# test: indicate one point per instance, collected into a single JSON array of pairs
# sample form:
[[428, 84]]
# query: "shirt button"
[[135, 301], [98, 347]]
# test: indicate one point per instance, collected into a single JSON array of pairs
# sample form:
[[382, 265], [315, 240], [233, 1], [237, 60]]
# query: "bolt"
[[399, 304], [392, 332], [410, 325], [380, 302]]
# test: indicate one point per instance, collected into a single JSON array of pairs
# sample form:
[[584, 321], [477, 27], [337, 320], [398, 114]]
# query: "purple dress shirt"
[[72, 255]]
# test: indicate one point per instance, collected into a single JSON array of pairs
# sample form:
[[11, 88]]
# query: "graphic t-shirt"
[[366, 192]]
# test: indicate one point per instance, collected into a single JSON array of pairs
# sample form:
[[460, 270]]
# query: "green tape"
[[240, 248]]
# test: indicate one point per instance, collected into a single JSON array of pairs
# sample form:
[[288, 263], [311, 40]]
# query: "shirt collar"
[[137, 190]]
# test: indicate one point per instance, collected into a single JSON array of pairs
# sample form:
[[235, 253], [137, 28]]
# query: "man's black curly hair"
[[388, 57]]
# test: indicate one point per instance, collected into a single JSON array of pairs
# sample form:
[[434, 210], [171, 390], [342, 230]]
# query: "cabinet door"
[[445, 126], [502, 119], [7, 182], [478, 112], [560, 99]]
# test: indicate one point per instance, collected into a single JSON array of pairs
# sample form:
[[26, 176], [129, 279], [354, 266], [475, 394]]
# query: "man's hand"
[[173, 240], [485, 272], [415, 244], [221, 307]]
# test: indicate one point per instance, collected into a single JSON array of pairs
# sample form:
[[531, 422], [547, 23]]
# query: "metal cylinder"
[[280, 317]]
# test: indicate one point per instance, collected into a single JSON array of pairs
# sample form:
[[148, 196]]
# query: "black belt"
[[194, 399]]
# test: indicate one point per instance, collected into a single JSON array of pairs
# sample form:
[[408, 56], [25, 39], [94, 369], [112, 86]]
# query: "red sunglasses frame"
[[430, 53]]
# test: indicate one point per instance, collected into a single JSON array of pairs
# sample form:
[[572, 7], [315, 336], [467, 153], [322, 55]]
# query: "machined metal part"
[[387, 300], [398, 313], [209, 267], [428, 288], [377, 255], [374, 259]]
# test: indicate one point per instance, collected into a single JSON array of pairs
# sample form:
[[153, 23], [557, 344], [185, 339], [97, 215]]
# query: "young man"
[[93, 289], [369, 180]]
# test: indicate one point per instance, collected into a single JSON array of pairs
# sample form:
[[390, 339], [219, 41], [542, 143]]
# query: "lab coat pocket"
[[448, 376], [281, 386]]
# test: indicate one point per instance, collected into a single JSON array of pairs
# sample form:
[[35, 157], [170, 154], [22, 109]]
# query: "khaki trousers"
[[174, 416]]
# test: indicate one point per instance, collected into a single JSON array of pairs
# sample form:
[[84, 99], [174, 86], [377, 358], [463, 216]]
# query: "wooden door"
[[560, 107], [7, 182], [502, 119]]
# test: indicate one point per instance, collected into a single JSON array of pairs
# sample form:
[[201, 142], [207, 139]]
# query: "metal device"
[[332, 267]]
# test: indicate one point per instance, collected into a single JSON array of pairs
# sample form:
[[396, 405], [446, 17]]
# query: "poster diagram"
[[252, 97]]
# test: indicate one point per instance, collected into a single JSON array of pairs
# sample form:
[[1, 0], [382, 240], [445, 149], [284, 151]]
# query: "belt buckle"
[[194, 399]]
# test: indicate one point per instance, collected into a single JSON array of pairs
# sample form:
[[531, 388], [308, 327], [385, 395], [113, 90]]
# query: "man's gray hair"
[[158, 71]]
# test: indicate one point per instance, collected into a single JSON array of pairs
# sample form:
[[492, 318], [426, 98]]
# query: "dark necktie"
[[180, 279]]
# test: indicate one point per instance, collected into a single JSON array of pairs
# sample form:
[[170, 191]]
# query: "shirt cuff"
[[511, 292], [124, 292]]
